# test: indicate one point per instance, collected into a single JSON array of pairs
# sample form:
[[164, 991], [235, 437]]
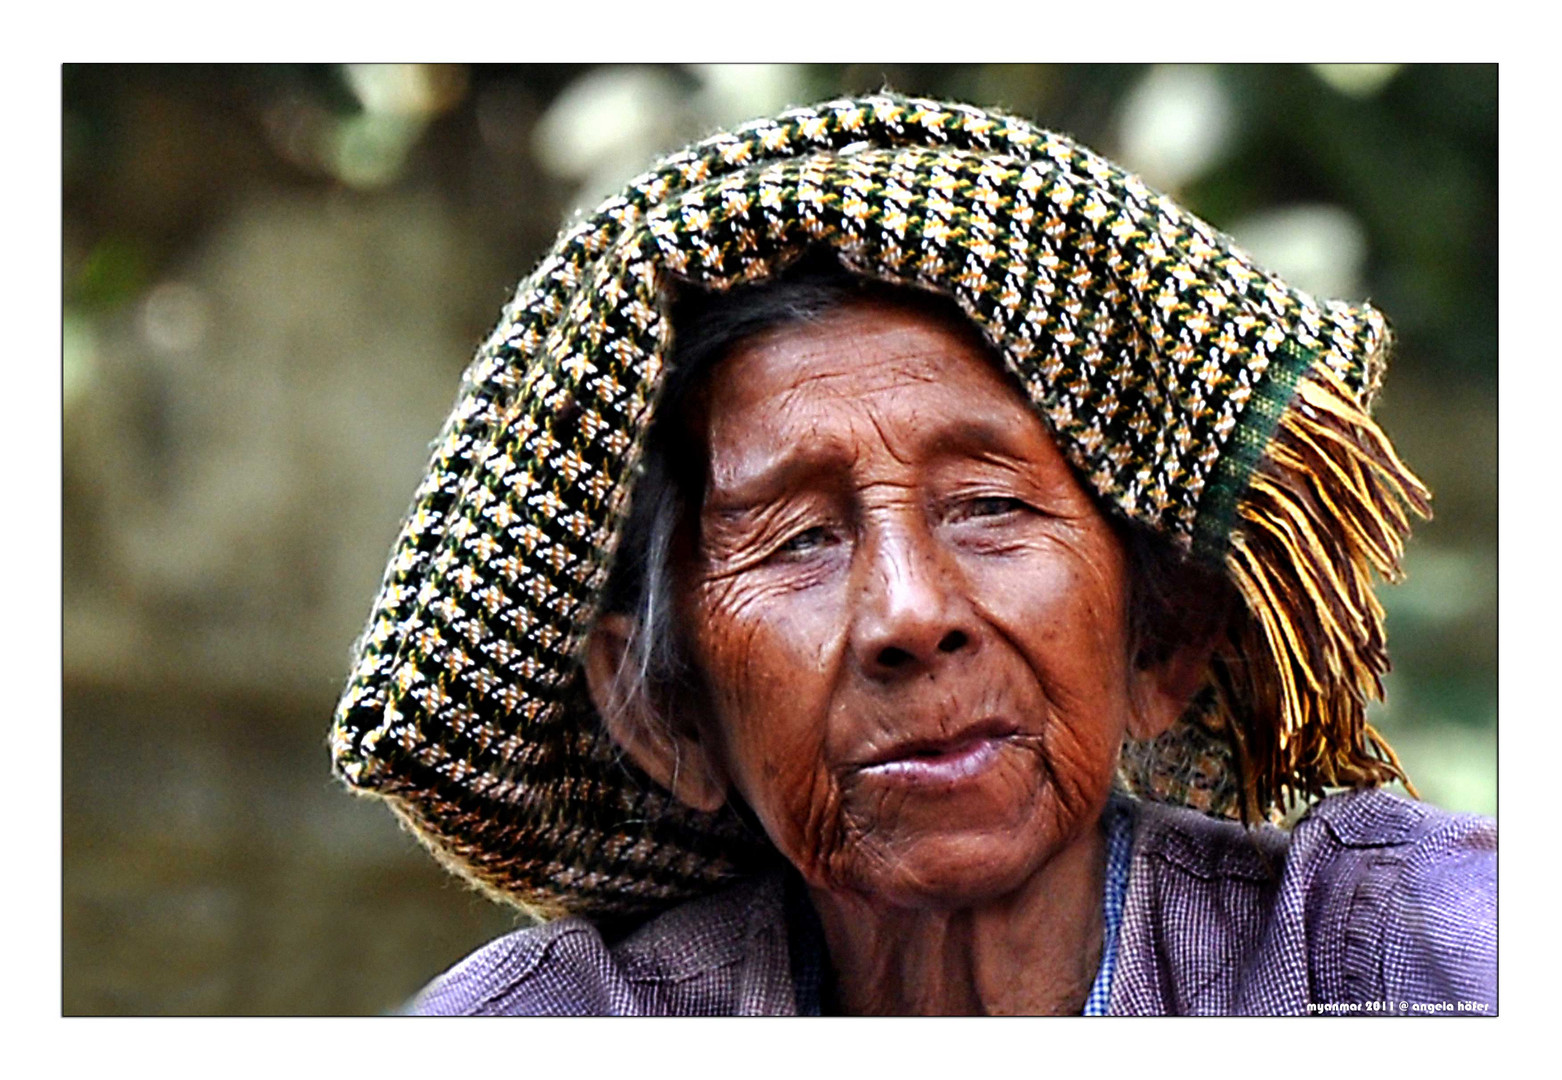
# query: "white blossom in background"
[[175, 317], [606, 126], [1356, 80], [370, 149], [733, 93], [397, 89], [612, 122], [1316, 247], [1174, 125]]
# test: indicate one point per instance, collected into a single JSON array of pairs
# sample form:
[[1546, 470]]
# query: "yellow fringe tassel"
[[1326, 508]]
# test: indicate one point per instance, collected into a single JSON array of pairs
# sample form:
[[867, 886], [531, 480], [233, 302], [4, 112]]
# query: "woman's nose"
[[911, 613]]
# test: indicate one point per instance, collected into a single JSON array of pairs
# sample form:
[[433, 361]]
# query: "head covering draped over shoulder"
[[1196, 395]]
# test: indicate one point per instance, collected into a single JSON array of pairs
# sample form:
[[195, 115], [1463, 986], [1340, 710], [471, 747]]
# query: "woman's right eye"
[[805, 541]]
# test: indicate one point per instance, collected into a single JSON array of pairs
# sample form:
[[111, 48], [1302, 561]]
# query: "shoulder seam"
[[511, 982]]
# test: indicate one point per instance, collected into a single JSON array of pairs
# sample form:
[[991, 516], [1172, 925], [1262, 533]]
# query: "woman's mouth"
[[942, 761]]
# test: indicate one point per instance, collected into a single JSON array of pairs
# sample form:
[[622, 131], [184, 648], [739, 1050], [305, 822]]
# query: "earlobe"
[[677, 761]]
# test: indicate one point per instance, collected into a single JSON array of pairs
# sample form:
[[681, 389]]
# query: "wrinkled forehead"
[[892, 363], [821, 333]]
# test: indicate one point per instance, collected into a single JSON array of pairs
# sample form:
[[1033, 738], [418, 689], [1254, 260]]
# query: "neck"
[[1032, 952]]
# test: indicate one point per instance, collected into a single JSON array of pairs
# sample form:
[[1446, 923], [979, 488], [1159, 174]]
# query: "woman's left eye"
[[987, 506]]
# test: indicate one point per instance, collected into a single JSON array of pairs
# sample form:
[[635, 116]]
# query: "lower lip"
[[960, 762]]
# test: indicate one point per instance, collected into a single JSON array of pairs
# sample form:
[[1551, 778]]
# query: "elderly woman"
[[890, 561]]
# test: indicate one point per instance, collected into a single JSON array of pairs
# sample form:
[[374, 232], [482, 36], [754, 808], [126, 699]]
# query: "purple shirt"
[[1373, 904]]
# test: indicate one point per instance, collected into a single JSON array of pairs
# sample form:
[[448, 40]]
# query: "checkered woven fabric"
[[1160, 356], [1119, 851]]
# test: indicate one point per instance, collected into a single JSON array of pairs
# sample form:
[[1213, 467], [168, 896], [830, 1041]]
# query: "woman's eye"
[[988, 507], [805, 541]]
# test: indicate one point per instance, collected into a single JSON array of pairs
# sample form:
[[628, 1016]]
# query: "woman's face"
[[908, 614]]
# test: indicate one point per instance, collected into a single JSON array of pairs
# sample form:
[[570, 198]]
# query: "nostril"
[[953, 641], [892, 657]]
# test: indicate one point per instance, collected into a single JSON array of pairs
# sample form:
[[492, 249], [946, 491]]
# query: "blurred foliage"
[[250, 248]]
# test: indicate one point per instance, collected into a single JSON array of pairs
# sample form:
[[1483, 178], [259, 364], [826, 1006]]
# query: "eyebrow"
[[792, 468], [801, 463], [989, 437]]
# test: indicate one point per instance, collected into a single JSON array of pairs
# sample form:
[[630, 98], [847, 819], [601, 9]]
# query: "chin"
[[944, 864], [947, 871]]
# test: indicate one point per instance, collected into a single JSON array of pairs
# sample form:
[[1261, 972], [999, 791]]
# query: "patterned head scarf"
[[1195, 394]]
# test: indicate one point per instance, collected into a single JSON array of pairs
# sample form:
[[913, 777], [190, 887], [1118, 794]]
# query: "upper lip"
[[992, 728]]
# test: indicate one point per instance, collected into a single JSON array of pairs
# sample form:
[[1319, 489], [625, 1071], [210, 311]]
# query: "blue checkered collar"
[[1118, 821]]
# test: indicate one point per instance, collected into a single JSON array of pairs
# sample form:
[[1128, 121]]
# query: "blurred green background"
[[272, 278]]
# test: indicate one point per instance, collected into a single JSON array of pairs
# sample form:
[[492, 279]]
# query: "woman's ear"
[[679, 761], [1163, 688], [1185, 620]]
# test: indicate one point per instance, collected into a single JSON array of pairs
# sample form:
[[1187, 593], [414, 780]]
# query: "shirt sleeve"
[[1440, 937]]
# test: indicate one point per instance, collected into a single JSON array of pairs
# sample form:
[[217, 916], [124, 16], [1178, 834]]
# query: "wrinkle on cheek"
[[1082, 586], [822, 849], [772, 733], [825, 836], [1105, 584], [1073, 633], [862, 845], [1076, 773]]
